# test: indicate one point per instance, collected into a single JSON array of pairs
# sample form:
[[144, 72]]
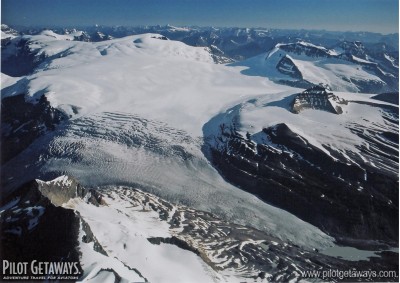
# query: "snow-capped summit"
[[7, 34], [303, 48], [355, 48], [6, 31], [177, 29], [304, 64]]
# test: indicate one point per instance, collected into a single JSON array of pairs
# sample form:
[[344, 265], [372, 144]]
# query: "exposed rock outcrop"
[[317, 98], [33, 228], [287, 67], [22, 122]]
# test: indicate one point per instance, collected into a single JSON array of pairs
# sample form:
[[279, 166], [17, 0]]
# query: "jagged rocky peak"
[[99, 36], [8, 31], [37, 209], [56, 192], [34, 228], [287, 67], [305, 48], [318, 98], [60, 190], [353, 47], [83, 36], [7, 34], [218, 55], [159, 36]]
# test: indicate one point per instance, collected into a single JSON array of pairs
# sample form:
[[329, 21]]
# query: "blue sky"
[[341, 15]]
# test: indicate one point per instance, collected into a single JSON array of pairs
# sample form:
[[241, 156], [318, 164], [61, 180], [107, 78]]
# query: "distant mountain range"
[[238, 43], [374, 57]]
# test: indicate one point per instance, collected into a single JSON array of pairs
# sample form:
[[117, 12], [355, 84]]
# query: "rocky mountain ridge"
[[232, 252], [294, 60], [346, 195]]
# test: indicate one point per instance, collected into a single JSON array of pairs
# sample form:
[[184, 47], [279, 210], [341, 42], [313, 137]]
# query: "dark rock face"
[[391, 97], [219, 56], [5, 41], [304, 49], [90, 237], [17, 58], [35, 226], [287, 67], [22, 122], [62, 189], [341, 198], [317, 98], [298, 83], [355, 48], [85, 37], [35, 229], [173, 241]]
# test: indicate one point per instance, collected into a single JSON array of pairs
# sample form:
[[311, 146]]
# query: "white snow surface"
[[123, 229], [160, 79], [360, 60], [338, 74], [7, 81]]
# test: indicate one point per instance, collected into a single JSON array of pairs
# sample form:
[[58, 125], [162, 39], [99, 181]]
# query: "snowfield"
[[122, 230], [159, 79]]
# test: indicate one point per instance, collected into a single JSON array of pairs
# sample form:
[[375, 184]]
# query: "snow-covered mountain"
[[304, 64], [236, 43], [145, 112], [7, 34], [336, 154]]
